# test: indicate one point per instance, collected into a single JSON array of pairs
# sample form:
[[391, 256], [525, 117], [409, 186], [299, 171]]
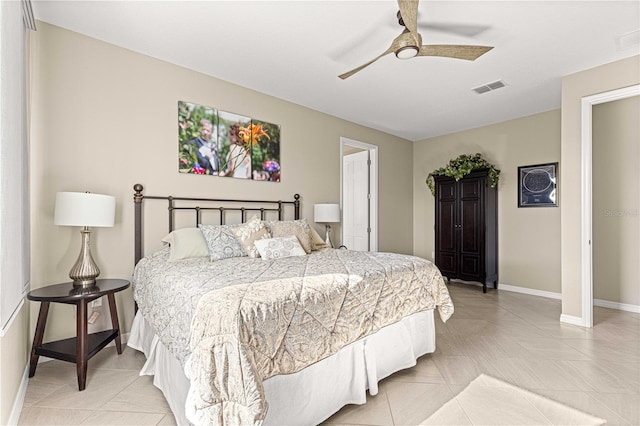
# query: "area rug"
[[489, 401]]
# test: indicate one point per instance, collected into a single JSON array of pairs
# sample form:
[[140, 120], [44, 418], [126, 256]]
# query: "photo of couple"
[[219, 143]]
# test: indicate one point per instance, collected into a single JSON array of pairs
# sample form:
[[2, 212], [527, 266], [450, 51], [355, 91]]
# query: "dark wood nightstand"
[[81, 348]]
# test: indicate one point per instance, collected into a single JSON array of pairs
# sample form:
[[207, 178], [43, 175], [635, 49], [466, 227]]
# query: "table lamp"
[[84, 209], [327, 213]]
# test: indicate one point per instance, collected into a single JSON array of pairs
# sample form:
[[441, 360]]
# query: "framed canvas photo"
[[220, 143], [537, 185]]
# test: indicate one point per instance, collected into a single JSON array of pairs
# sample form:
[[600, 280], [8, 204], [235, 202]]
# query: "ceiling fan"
[[409, 43]]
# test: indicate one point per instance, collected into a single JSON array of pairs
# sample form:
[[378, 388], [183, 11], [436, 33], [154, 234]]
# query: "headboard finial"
[[137, 196]]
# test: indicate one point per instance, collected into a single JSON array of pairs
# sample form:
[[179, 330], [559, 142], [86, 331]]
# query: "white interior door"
[[356, 212]]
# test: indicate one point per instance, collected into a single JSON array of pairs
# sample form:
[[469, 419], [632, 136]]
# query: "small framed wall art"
[[537, 185]]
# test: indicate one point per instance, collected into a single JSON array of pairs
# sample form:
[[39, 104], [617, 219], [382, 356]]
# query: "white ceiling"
[[294, 50]]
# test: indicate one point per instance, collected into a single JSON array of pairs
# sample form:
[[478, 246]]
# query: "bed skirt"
[[313, 394]]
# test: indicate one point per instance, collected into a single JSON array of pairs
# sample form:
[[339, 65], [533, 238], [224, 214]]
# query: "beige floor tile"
[[102, 386], [457, 370], [56, 373], [545, 347], [37, 390], [425, 371], [139, 396], [599, 377], [412, 403], [52, 416], [584, 401], [626, 406], [123, 418], [375, 412], [450, 414], [168, 420]]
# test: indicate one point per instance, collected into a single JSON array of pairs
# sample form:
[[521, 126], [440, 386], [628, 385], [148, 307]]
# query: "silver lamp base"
[[327, 238], [84, 271]]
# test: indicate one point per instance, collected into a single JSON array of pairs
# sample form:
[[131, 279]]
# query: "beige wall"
[[528, 238], [14, 358], [601, 79], [616, 201], [105, 118]]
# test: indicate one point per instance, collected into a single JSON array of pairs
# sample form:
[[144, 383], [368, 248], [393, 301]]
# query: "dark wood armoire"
[[467, 228]]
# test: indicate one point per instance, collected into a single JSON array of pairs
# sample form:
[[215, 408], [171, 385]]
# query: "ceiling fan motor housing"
[[407, 45]]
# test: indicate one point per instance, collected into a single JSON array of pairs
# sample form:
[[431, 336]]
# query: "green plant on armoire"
[[462, 166]]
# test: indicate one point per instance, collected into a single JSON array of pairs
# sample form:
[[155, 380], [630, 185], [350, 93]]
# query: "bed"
[[274, 339]]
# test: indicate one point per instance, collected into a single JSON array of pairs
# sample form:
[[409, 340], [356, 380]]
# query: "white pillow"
[[279, 247], [186, 243], [299, 228]]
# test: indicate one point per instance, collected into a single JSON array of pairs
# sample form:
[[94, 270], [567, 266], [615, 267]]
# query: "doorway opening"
[[587, 193], [359, 194]]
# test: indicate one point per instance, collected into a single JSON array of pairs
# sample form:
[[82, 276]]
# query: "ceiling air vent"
[[489, 87], [625, 41]]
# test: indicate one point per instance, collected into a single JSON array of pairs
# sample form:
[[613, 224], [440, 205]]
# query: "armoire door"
[[470, 229], [447, 220]]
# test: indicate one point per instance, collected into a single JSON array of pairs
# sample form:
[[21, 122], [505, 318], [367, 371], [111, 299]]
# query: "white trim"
[[570, 319], [586, 253], [616, 305], [18, 403], [13, 316], [558, 296], [530, 291], [373, 156]]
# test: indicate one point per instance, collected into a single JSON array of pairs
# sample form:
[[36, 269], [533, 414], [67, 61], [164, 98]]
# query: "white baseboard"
[[530, 291], [570, 319], [616, 305], [552, 295], [19, 401]]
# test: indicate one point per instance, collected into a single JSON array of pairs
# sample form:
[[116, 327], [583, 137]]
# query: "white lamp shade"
[[84, 209], [326, 213]]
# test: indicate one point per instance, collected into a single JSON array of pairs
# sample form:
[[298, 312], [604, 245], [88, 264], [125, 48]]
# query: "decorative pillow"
[[221, 242], [248, 233], [279, 247], [298, 228], [186, 243], [317, 239]]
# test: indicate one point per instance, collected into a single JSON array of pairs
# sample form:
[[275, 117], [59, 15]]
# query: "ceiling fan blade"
[[469, 53], [409, 14], [361, 67], [397, 43], [465, 30]]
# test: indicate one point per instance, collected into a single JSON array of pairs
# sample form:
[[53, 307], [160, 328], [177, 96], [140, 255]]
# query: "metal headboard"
[[225, 206]]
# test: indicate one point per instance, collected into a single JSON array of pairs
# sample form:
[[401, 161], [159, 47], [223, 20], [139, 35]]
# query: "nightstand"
[[81, 348]]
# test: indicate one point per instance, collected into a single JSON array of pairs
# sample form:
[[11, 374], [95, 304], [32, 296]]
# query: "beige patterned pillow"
[[279, 247], [298, 228], [248, 233], [316, 239]]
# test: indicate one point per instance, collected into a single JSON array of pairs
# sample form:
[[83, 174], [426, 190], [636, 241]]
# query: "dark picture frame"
[[538, 185]]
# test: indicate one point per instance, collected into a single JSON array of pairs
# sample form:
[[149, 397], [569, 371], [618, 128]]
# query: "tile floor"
[[513, 337]]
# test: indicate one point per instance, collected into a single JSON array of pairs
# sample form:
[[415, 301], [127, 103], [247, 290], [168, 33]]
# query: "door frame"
[[373, 186], [586, 255]]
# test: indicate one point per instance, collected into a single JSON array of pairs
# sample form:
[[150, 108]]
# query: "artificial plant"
[[462, 166]]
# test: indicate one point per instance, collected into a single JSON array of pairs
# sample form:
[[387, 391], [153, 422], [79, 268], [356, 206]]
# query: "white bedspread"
[[274, 317]]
